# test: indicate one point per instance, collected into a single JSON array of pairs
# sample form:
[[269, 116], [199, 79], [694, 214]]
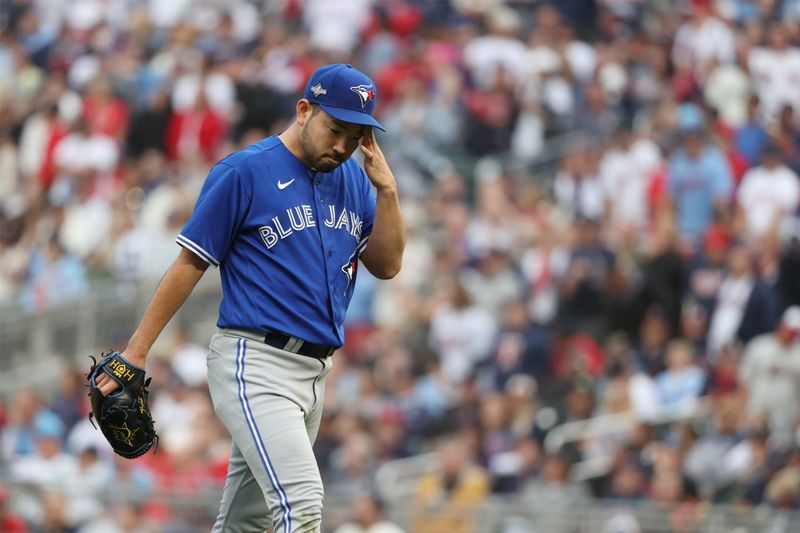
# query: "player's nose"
[[340, 147]]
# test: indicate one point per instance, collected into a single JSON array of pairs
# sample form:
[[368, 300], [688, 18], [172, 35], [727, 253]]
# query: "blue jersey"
[[694, 186], [286, 239]]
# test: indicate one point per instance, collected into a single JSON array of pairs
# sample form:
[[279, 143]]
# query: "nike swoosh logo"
[[282, 186]]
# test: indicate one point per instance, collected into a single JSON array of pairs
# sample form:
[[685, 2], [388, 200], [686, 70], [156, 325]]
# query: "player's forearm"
[[384, 254], [172, 291]]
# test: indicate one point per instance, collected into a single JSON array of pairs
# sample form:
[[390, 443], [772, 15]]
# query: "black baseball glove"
[[123, 415]]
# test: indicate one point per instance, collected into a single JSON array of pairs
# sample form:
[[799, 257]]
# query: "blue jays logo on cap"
[[345, 93], [365, 92]]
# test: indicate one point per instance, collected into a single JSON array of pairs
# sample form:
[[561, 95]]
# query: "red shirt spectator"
[[197, 130], [9, 523], [104, 113]]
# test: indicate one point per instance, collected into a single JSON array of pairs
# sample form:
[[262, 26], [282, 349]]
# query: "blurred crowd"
[[602, 205]]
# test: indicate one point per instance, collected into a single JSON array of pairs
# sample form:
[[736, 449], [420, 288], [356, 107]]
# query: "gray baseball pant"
[[271, 402]]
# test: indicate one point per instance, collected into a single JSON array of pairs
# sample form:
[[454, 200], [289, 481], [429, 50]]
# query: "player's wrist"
[[135, 357], [387, 189]]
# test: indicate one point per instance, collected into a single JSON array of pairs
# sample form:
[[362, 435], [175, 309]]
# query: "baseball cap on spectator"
[[690, 118], [48, 425], [791, 318], [344, 93], [717, 237]]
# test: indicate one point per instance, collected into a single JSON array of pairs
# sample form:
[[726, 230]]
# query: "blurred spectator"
[[700, 182], [194, 132], [706, 270], [543, 267], [681, 383], [367, 513], [521, 348], [769, 372], [47, 470], [701, 464], [54, 278], [773, 68], [586, 282], [499, 52], [751, 137], [552, 489], [9, 522], [28, 417], [578, 189], [745, 306], [662, 282], [92, 479], [448, 498], [189, 359], [703, 38], [462, 334], [149, 125], [69, 402], [625, 171], [727, 91], [120, 518], [769, 197]]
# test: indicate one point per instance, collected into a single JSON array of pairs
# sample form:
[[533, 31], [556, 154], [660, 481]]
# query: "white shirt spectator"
[[83, 15], [77, 152], [484, 54], [582, 59], [33, 144], [84, 435], [54, 473], [216, 86], [643, 397], [727, 90], [543, 270], [143, 253], [168, 14], [85, 227], [766, 194], [92, 478], [462, 338], [380, 527], [582, 197], [189, 364], [626, 175], [9, 169], [776, 75], [698, 43], [336, 26], [731, 301], [527, 141], [771, 372]]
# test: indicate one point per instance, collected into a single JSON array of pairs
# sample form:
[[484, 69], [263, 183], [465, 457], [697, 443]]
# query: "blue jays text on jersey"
[[301, 217], [286, 239]]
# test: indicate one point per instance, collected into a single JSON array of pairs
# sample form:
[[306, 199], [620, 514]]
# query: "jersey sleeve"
[[218, 214], [368, 213]]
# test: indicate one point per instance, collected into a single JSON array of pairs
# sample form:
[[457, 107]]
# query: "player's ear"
[[303, 111]]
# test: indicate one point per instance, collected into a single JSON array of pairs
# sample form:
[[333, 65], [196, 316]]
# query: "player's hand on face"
[[375, 164]]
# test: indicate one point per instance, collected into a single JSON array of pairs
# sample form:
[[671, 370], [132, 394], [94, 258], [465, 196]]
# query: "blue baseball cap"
[[343, 92]]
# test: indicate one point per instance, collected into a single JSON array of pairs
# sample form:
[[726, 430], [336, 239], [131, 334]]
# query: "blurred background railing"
[[34, 347], [503, 515]]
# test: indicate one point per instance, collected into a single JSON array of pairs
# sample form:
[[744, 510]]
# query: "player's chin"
[[328, 164]]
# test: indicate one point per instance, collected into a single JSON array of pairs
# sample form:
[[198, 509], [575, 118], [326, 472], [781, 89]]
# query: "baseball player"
[[286, 220]]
